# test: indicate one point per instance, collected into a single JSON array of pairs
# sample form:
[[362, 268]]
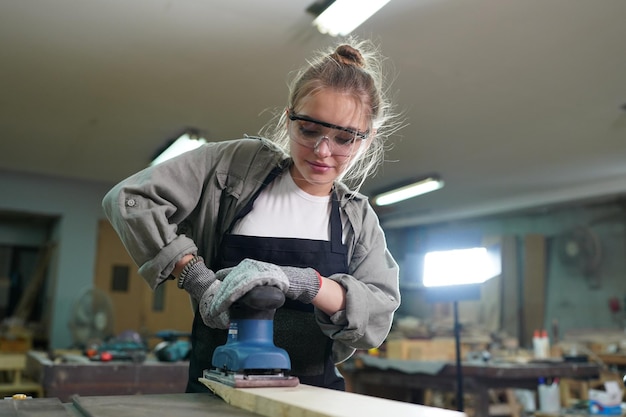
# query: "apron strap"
[[248, 207], [336, 228]]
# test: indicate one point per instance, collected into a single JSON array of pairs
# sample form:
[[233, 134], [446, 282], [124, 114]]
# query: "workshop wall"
[[585, 260], [576, 297], [78, 207]]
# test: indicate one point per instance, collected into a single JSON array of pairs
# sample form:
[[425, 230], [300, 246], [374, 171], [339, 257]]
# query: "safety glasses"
[[309, 132]]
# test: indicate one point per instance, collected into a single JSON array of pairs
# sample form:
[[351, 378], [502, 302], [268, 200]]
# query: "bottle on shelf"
[[541, 344]]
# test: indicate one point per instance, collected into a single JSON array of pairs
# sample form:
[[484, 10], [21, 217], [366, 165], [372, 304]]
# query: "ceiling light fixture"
[[187, 141], [340, 17], [404, 192]]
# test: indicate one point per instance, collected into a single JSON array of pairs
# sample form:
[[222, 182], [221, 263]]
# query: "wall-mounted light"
[[186, 142], [404, 192], [340, 17]]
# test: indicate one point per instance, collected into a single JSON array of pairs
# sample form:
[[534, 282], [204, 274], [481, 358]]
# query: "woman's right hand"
[[200, 282]]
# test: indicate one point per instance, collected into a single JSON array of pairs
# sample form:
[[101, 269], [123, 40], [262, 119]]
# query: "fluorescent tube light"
[[184, 143], [408, 191], [343, 16]]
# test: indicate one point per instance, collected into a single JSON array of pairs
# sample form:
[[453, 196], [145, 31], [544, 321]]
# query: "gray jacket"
[[185, 204]]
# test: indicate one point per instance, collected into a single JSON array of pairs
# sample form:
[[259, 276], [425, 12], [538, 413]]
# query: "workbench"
[[188, 405], [408, 379], [333, 403], [65, 379]]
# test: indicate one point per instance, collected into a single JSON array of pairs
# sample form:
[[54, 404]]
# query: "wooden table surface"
[[35, 407], [156, 405], [302, 401]]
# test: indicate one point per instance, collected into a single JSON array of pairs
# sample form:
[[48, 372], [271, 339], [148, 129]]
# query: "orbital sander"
[[249, 359]]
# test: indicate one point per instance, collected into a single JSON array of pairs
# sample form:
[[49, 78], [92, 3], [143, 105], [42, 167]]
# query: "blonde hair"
[[356, 67]]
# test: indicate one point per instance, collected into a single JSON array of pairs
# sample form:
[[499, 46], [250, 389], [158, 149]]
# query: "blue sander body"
[[249, 359]]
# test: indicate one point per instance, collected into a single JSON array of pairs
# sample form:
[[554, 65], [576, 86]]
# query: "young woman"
[[255, 211]]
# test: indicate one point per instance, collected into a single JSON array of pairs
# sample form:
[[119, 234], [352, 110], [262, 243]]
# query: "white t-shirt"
[[284, 210]]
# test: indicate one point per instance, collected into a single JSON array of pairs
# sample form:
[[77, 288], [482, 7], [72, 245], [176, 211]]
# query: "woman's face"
[[315, 168]]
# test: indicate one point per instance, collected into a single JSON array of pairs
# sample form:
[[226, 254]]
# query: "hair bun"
[[347, 55]]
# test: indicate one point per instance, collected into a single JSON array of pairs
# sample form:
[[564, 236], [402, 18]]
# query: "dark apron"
[[295, 329]]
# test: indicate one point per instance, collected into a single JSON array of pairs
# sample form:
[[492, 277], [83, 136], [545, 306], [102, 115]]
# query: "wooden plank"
[[534, 286], [489, 305], [309, 401], [618, 359], [436, 349], [510, 288], [28, 298], [12, 361]]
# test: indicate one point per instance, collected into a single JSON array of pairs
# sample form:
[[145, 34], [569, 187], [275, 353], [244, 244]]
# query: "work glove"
[[200, 282], [304, 283], [300, 284]]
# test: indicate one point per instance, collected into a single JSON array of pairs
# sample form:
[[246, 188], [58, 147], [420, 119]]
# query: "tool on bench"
[[249, 359], [127, 346], [172, 349]]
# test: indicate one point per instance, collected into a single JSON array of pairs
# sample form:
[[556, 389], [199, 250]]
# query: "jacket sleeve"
[[372, 292], [146, 208]]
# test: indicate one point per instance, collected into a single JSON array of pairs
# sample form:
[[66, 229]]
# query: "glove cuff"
[[197, 279], [304, 283]]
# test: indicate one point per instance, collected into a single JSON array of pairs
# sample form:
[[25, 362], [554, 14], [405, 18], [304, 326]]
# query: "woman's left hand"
[[238, 281]]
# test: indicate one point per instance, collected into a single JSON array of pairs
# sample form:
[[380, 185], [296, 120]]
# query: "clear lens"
[[311, 134]]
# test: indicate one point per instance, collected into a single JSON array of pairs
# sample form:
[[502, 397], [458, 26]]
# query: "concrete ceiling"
[[515, 103]]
